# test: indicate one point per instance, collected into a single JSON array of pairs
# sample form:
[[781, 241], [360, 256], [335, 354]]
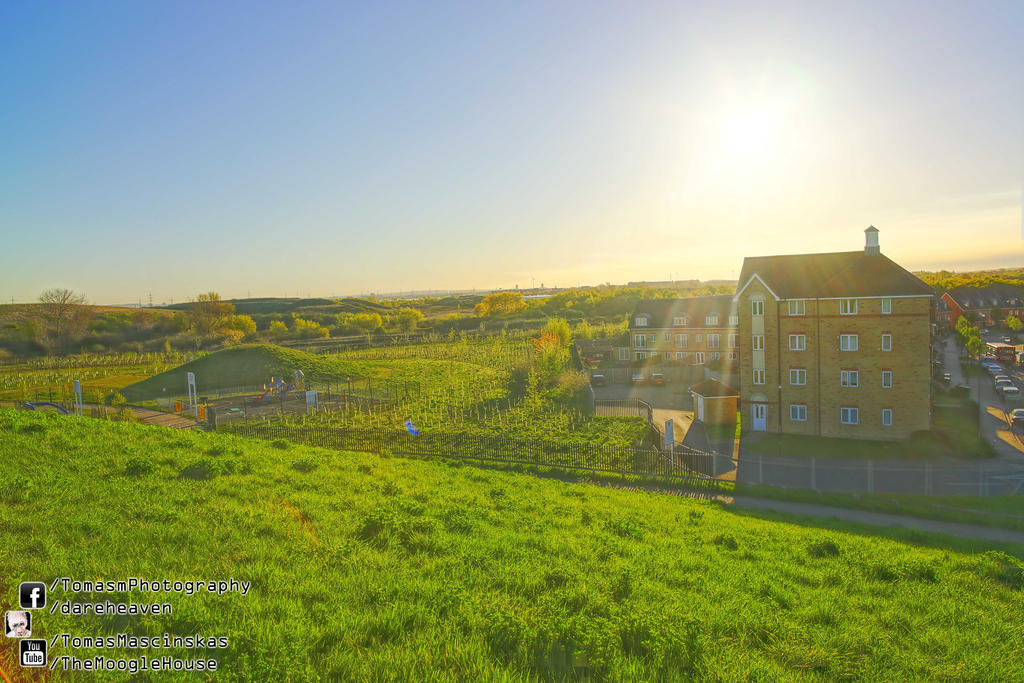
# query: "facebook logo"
[[32, 595]]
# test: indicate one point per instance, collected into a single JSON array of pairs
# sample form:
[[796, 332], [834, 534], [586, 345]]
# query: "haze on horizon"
[[330, 148]]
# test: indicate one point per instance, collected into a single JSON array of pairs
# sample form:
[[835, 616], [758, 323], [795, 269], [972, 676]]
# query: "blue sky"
[[332, 148]]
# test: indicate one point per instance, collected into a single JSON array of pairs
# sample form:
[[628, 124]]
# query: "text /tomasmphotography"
[[186, 587]]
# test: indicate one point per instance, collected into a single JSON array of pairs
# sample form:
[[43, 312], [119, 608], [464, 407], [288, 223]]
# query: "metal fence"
[[681, 466], [934, 478], [624, 407]]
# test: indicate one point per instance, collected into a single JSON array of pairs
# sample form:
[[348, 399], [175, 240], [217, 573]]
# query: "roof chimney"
[[871, 240]]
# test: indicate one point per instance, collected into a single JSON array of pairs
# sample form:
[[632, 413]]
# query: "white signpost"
[[78, 398], [670, 442], [193, 396]]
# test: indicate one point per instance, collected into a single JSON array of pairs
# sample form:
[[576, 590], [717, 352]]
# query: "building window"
[[668, 355], [797, 308], [652, 339], [639, 355], [699, 338], [886, 305], [711, 319], [623, 353], [640, 321], [798, 412], [668, 336], [681, 340], [847, 307], [714, 341], [758, 376], [733, 355], [887, 379], [715, 355], [757, 308], [759, 342], [639, 340], [681, 355], [798, 342], [887, 342], [887, 417], [734, 320], [698, 358], [849, 416], [797, 376], [734, 341], [848, 342], [679, 321], [849, 378]]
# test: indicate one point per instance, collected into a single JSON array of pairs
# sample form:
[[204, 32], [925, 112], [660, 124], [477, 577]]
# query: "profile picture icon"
[[18, 624]]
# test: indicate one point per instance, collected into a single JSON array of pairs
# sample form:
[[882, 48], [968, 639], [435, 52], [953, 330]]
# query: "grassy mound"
[[238, 366], [369, 568]]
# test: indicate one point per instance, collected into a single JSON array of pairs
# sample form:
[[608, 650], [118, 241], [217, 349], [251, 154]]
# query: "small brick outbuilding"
[[714, 402]]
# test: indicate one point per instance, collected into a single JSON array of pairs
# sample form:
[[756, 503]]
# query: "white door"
[[760, 413], [700, 408]]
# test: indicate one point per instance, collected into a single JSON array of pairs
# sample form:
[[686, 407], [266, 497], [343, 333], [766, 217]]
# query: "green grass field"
[[369, 568]]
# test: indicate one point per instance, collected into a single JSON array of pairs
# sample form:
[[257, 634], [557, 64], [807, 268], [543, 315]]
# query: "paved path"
[[881, 519]]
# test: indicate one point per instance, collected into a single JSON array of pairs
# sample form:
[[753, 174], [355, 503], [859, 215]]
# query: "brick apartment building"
[[691, 331], [834, 345]]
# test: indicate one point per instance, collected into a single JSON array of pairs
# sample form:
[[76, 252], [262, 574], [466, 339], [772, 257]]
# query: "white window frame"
[[668, 336], [679, 321], [887, 341], [668, 355], [640, 341], [680, 355], [623, 353], [757, 307], [757, 342], [798, 377], [798, 412], [711, 320], [640, 321], [887, 375], [734, 320], [682, 341], [734, 341], [715, 355], [886, 305], [887, 413], [851, 342], [698, 358], [758, 374], [847, 307], [733, 355], [849, 415], [801, 340], [639, 355], [698, 338], [797, 307], [652, 339], [849, 379], [714, 341]]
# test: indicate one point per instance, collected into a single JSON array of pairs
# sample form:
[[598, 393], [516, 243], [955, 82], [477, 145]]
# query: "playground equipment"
[[279, 388]]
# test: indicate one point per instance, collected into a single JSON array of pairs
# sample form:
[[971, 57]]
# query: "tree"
[[1014, 323], [61, 315], [367, 322], [406, 319], [209, 315], [277, 330], [244, 324], [559, 328], [975, 345], [500, 302]]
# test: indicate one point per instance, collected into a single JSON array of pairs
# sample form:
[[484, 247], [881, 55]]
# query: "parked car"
[[598, 380], [983, 331], [638, 378], [947, 378], [994, 369], [1007, 340], [1017, 419], [999, 377], [1003, 383], [657, 378], [1011, 393]]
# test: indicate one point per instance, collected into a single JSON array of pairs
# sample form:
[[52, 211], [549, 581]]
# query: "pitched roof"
[[694, 308], [713, 388], [839, 274], [988, 296]]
